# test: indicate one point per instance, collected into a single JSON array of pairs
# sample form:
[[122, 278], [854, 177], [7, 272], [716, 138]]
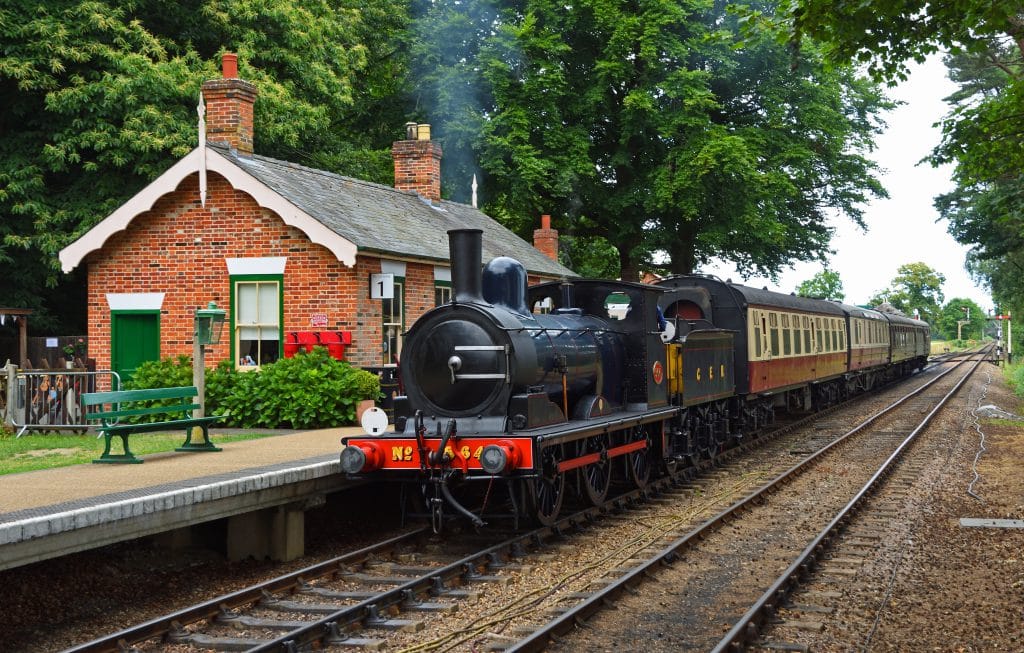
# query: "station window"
[[256, 320], [393, 314], [442, 292]]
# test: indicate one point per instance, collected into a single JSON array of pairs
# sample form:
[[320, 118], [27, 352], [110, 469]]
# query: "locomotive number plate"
[[403, 453]]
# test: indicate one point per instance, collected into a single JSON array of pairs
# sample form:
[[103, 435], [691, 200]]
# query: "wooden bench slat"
[[120, 396], [150, 410], [161, 426]]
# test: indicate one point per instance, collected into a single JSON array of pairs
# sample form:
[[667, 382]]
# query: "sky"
[[903, 228]]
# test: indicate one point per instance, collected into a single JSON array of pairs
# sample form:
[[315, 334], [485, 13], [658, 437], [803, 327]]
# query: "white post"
[[8, 417], [199, 374], [1009, 337]]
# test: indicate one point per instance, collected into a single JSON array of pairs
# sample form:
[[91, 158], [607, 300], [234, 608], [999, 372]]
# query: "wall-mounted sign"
[[382, 286], [318, 320], [51, 342]]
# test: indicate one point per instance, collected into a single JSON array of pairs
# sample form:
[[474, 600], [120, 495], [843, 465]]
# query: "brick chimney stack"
[[229, 108], [546, 239], [418, 162]]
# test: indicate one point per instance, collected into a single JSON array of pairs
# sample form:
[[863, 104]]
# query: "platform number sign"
[[382, 286]]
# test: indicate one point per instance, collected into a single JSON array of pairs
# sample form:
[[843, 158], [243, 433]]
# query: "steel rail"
[[163, 625], [578, 614], [747, 629]]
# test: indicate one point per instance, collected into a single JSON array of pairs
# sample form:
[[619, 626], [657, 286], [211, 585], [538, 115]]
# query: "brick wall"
[[179, 248]]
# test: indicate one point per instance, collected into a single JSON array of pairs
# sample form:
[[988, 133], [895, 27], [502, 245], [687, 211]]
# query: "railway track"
[[736, 579], [416, 592]]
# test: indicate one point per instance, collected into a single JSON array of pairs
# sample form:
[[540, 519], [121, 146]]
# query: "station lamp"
[[209, 324]]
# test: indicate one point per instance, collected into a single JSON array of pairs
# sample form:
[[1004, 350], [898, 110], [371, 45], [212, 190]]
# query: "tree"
[[886, 34], [657, 126], [981, 137], [981, 134], [100, 97], [916, 288], [823, 285], [958, 310]]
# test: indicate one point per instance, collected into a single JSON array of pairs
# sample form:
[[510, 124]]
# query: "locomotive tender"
[[516, 397]]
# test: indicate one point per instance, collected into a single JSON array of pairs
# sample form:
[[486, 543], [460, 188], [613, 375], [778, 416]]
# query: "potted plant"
[[69, 355], [367, 391]]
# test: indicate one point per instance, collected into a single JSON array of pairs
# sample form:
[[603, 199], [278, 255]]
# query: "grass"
[[35, 450]]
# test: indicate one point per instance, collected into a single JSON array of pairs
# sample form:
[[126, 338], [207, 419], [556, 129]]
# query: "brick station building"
[[288, 251]]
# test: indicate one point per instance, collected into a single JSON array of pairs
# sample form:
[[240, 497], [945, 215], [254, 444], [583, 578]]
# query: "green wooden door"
[[135, 339]]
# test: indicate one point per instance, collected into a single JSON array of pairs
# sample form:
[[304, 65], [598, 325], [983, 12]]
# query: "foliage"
[[653, 126], [166, 373], [961, 309], [981, 133], [1015, 377], [823, 285], [886, 34], [307, 391], [100, 97], [48, 450], [916, 288], [981, 137]]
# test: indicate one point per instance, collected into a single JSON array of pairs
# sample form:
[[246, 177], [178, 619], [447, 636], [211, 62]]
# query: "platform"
[[54, 512]]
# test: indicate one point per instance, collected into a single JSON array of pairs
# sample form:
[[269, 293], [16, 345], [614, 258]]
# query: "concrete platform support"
[[276, 533]]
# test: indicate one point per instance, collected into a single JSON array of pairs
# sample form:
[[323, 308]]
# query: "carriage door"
[[135, 339]]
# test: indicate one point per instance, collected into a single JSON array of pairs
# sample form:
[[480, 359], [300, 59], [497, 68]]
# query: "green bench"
[[133, 403]]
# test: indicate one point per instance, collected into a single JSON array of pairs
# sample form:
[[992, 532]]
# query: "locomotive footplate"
[[400, 452]]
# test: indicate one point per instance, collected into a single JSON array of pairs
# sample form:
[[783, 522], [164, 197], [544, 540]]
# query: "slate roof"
[[383, 220]]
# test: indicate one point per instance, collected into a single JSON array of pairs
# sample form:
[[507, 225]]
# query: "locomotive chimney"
[[465, 250]]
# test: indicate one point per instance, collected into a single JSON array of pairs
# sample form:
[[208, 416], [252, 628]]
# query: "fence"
[[48, 400], [45, 351]]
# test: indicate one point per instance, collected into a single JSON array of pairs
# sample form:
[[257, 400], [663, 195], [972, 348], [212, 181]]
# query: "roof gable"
[[95, 238]]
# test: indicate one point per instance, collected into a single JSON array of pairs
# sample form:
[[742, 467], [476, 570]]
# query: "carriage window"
[[775, 341], [787, 341], [757, 340], [797, 335]]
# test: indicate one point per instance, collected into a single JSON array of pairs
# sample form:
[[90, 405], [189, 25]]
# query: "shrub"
[[307, 391], [367, 385], [166, 373], [1014, 375]]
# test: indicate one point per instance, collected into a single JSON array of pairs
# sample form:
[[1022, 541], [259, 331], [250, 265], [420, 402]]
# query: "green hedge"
[[307, 391]]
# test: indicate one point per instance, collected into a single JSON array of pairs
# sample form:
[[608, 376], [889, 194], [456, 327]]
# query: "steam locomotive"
[[517, 397]]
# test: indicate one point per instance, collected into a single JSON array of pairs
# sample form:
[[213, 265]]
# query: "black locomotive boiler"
[[518, 397]]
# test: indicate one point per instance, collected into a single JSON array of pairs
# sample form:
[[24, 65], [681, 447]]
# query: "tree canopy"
[[916, 288], [659, 134], [961, 317], [100, 97], [823, 285], [981, 135], [669, 130]]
